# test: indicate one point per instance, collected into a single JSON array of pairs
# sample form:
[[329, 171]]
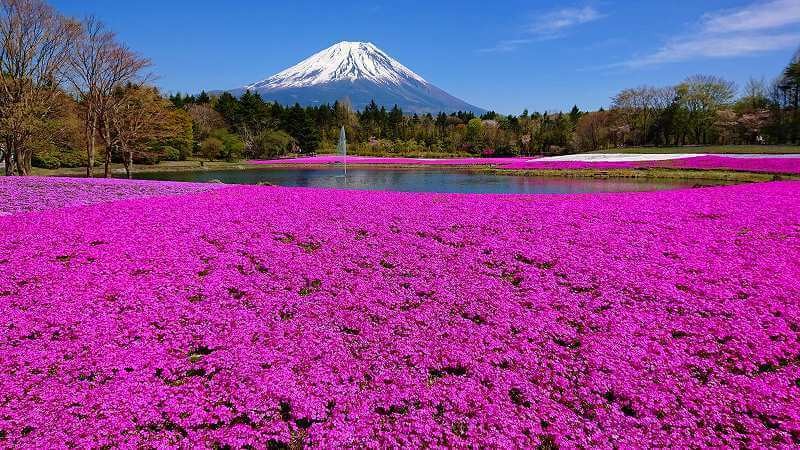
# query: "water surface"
[[424, 180]]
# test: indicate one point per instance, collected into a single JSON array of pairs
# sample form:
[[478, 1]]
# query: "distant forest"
[[73, 95], [701, 110]]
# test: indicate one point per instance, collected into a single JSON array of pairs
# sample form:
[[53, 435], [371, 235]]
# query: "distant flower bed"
[[755, 164], [290, 317], [777, 165], [34, 193], [772, 165], [330, 159]]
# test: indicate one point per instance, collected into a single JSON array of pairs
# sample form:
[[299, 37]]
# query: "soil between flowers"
[[277, 317]]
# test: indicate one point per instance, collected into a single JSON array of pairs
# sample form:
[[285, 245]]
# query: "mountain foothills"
[[74, 95], [357, 72]]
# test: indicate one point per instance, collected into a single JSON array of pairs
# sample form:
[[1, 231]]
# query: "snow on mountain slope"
[[359, 72], [343, 61]]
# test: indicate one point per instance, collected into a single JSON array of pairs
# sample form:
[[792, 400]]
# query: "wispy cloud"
[[756, 28], [506, 45], [759, 16], [548, 25], [554, 23], [716, 47]]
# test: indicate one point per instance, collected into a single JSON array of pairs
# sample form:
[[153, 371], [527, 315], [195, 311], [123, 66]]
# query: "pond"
[[425, 180]]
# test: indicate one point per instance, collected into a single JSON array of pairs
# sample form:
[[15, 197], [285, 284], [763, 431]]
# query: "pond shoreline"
[[646, 173]]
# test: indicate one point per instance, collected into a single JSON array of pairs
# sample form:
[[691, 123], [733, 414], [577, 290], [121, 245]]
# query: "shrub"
[[45, 161], [211, 148], [271, 144], [49, 156], [170, 153], [229, 146]]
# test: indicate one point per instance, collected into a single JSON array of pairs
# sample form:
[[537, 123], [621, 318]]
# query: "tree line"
[[72, 94], [701, 110]]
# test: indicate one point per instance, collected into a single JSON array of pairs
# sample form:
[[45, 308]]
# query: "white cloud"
[[506, 46], [553, 23], [758, 16], [549, 25], [756, 28], [716, 47]]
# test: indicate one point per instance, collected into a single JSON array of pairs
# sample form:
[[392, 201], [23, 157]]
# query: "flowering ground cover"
[[773, 165], [35, 193], [289, 317], [754, 164], [370, 160], [787, 165]]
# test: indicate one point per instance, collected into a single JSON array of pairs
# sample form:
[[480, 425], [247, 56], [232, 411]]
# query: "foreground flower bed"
[[282, 317], [19, 194]]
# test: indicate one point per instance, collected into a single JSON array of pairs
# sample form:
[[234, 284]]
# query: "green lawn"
[[164, 166], [740, 149]]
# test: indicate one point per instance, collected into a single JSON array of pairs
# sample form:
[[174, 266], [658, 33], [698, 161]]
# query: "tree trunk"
[[21, 157], [7, 159], [107, 168], [91, 130], [127, 161], [23, 161], [106, 133]]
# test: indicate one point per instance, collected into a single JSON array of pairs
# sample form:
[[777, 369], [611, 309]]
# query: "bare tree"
[[99, 65], [34, 44], [136, 117], [204, 120], [592, 130], [639, 107]]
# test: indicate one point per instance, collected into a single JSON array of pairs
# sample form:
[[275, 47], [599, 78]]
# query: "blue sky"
[[506, 56]]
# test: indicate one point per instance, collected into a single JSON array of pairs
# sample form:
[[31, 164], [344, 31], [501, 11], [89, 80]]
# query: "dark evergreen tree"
[[203, 98], [301, 127], [228, 106]]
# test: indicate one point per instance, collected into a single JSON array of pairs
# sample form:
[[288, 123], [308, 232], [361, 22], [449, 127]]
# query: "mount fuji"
[[358, 72]]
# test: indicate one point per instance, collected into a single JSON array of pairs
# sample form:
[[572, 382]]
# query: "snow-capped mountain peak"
[[357, 73], [343, 61]]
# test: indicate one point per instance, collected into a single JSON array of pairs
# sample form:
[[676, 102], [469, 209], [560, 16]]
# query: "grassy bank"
[[713, 149], [164, 166]]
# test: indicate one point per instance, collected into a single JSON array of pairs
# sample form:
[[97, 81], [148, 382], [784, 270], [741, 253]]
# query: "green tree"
[[211, 148], [301, 127], [272, 143], [474, 132], [228, 106]]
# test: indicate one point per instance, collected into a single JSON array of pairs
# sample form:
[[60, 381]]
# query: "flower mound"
[[278, 317], [35, 193]]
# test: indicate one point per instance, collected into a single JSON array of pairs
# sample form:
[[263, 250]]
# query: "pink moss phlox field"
[[787, 165], [37, 193], [330, 159], [277, 317], [751, 164], [773, 165]]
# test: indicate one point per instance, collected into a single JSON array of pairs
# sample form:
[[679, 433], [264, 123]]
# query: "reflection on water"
[[424, 180]]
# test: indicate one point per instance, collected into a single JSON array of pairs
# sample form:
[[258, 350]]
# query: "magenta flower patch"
[[290, 317], [329, 159], [788, 165], [19, 194]]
